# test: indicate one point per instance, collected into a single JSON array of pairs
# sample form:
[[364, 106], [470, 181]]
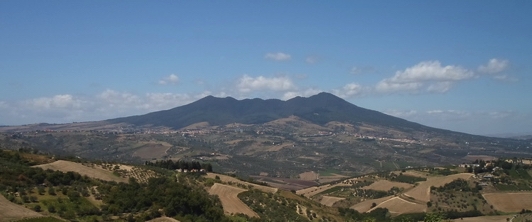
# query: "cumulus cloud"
[[279, 56], [349, 90], [428, 76], [247, 84], [171, 79], [105, 105], [494, 66]]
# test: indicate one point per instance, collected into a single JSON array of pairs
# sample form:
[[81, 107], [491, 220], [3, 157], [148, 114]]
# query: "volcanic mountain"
[[318, 109]]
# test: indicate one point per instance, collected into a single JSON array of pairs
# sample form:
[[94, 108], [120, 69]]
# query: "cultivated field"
[[386, 185], [422, 191], [230, 202], [499, 218], [227, 179], [365, 206], [13, 212], [510, 202], [150, 150], [93, 172], [309, 175], [397, 205], [329, 201]]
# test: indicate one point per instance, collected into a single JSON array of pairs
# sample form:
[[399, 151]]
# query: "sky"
[[457, 65]]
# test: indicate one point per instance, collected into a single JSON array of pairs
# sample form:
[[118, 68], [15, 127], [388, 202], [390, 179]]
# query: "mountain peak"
[[320, 109]]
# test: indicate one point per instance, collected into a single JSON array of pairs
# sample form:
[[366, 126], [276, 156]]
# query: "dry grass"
[[329, 201], [93, 172], [365, 206], [12, 212], [422, 191], [386, 185], [509, 202], [227, 179], [499, 218], [230, 202], [397, 205]]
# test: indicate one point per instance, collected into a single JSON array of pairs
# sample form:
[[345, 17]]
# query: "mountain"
[[319, 109], [280, 138]]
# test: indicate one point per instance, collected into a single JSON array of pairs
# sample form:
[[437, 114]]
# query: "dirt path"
[[12, 212], [230, 201]]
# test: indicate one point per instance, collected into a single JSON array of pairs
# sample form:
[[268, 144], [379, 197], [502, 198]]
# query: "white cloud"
[[505, 78], [171, 79], [494, 66], [57, 101], [312, 59], [304, 93], [401, 113], [428, 76], [247, 84], [279, 56], [349, 90]]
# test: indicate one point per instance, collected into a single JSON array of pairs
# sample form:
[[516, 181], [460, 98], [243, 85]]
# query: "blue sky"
[[458, 65]]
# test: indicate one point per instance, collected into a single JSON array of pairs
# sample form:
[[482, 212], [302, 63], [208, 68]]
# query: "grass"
[[329, 172]]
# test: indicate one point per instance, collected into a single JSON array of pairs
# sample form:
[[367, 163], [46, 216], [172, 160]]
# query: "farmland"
[[93, 172], [230, 202], [510, 202]]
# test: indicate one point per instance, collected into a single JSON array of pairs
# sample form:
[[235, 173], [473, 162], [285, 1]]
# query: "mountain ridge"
[[320, 109]]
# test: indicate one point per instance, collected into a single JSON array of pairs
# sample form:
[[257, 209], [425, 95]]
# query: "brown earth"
[[386, 185], [510, 202], [13, 212], [230, 202], [93, 172]]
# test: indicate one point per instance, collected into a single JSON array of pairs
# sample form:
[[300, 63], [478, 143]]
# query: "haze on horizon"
[[454, 65]]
